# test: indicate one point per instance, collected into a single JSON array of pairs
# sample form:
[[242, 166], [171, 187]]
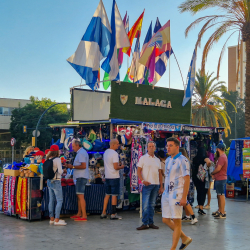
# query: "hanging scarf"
[[1, 191]]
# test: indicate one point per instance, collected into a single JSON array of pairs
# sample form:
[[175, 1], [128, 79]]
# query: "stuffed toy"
[[128, 133], [87, 145], [92, 136], [92, 161], [122, 157]]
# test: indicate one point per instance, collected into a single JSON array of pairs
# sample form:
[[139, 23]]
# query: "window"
[[6, 111]]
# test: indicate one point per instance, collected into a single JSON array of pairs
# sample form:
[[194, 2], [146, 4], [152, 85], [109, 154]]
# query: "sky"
[[38, 36]]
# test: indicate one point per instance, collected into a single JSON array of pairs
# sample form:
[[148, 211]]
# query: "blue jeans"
[[55, 194], [149, 194]]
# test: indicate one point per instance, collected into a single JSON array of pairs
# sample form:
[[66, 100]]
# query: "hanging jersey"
[[175, 170]]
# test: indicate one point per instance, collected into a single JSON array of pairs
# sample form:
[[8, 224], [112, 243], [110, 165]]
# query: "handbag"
[[201, 173]]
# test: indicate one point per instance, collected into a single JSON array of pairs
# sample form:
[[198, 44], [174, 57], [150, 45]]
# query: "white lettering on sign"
[[149, 102]]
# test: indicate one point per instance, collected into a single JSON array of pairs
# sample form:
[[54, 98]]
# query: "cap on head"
[[54, 148], [221, 146]]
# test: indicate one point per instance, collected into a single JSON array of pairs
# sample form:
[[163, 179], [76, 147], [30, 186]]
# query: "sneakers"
[[194, 221], [201, 212], [185, 244], [186, 219], [51, 222], [207, 207], [215, 213], [103, 216], [197, 206], [220, 216], [60, 223], [115, 217]]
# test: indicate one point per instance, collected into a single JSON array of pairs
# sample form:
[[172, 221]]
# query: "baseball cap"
[[54, 148], [46, 151], [221, 146], [39, 153]]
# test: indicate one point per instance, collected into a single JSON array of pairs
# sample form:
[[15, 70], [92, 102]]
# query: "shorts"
[[220, 187], [80, 185], [169, 209], [112, 186]]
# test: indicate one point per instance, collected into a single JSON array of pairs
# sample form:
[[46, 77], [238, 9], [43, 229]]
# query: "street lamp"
[[68, 105]]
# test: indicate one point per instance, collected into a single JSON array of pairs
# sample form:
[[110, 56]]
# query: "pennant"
[[135, 30], [94, 46], [119, 39], [191, 80]]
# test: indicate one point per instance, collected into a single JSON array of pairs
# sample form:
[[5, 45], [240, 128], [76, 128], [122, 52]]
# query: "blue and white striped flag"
[[119, 39], [94, 46], [191, 81]]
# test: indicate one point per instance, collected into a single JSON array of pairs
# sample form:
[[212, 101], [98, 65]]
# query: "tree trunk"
[[247, 93]]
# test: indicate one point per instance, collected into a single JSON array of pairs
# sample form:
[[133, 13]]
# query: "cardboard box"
[[246, 151], [246, 158], [246, 166], [230, 186], [11, 172], [230, 194]]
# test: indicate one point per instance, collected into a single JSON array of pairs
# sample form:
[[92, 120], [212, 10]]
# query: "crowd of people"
[[168, 175]]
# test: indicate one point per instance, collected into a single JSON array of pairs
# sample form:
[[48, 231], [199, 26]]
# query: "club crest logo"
[[123, 99]]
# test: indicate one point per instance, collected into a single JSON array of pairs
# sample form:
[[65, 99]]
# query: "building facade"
[[6, 107], [234, 59]]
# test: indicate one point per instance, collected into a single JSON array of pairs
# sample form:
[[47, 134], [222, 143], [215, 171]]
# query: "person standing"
[[199, 160], [150, 174], [174, 198], [55, 187], [112, 179], [220, 177], [81, 175]]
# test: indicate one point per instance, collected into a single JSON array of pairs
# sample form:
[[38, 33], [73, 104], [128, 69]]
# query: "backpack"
[[48, 172]]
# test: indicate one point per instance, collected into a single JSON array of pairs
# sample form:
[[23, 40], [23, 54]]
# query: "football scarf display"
[[136, 153], [12, 195], [6, 194], [1, 191], [24, 199], [18, 195]]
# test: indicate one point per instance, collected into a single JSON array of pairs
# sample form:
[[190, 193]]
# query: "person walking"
[[190, 216], [112, 179], [198, 161], [150, 174], [174, 198], [55, 187], [81, 175], [220, 177]]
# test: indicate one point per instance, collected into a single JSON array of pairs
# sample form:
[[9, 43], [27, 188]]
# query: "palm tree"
[[235, 18], [208, 106]]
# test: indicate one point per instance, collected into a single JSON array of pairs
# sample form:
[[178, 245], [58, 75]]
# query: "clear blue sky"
[[38, 36]]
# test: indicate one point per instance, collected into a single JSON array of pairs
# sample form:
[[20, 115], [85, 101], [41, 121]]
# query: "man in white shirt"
[[112, 179], [177, 180], [149, 172], [81, 175]]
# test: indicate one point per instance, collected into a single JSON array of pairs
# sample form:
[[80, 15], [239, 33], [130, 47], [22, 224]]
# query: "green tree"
[[233, 17], [237, 130], [29, 116], [208, 106]]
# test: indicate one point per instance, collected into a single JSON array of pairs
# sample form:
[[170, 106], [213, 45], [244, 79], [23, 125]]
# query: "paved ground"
[[232, 233]]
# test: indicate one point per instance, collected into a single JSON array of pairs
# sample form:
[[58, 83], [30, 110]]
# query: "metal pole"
[[235, 126], [42, 117], [12, 154]]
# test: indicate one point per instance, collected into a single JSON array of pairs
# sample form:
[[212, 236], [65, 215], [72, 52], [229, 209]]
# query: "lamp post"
[[42, 117]]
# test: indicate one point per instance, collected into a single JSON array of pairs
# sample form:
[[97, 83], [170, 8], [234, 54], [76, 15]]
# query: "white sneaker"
[[194, 221], [60, 223], [206, 207], [51, 222]]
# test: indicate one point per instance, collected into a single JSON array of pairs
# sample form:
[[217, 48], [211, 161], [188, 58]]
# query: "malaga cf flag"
[[119, 39], [94, 46], [191, 80]]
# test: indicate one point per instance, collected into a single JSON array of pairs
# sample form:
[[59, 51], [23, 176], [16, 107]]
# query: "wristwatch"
[[73, 167]]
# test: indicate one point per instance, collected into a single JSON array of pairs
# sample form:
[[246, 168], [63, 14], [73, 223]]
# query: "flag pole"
[[179, 68]]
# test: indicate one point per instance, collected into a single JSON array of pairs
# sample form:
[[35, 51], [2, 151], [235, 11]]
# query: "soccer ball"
[[122, 156], [92, 161]]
